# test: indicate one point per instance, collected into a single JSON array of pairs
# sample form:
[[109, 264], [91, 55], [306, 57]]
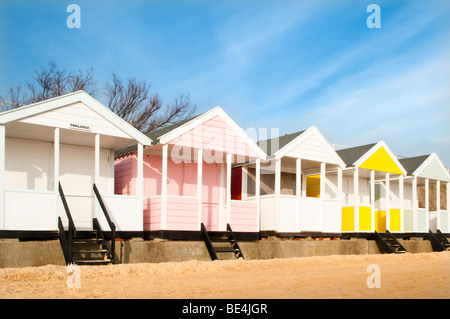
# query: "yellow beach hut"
[[373, 189]]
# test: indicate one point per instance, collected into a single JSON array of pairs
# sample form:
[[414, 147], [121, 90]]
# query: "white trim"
[[356, 201], [56, 155], [164, 159], [258, 192], [96, 211], [2, 175], [388, 202], [197, 121], [313, 130], [139, 181], [427, 161], [277, 192], [228, 192], [199, 184], [375, 148], [401, 192], [71, 98], [372, 198]]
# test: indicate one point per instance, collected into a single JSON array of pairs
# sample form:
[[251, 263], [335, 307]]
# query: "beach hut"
[[187, 177], [373, 184], [299, 185], [69, 141], [425, 172]]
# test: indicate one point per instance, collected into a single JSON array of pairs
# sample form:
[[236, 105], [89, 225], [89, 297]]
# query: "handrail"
[[111, 224], [72, 229]]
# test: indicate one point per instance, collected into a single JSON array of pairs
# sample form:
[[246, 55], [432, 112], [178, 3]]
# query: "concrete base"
[[14, 253]]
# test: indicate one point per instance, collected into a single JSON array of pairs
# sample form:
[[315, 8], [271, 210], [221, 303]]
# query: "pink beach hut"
[[187, 178]]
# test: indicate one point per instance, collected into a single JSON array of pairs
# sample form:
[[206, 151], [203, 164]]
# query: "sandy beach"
[[419, 276]]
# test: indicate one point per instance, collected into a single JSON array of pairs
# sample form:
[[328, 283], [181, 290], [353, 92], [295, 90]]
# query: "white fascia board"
[[427, 161], [71, 98], [375, 148], [217, 111], [302, 137]]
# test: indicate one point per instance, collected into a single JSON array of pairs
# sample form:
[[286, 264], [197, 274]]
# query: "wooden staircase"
[[388, 243], [221, 243], [90, 247], [438, 241]]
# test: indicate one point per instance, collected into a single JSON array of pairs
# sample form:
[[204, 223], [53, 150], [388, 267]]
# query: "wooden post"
[[438, 203], [356, 201], [164, 187], [298, 192], [388, 202], [322, 194], [200, 185], [372, 199], [140, 184], [97, 174], [258, 192], [228, 196], [427, 202], [402, 205], [277, 193], [56, 155], [415, 202], [2, 175]]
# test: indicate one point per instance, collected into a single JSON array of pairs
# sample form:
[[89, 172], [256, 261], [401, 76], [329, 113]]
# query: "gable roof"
[[308, 144], [352, 154], [426, 166], [71, 98], [360, 156], [282, 142], [411, 164], [168, 133]]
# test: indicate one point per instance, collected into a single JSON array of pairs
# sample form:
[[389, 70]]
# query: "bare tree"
[[132, 101]]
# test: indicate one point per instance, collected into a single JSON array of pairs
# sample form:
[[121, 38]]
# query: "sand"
[[420, 276]]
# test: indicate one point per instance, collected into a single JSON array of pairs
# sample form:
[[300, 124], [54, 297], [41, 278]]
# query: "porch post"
[[258, 192], [199, 184], [244, 180], [164, 187], [140, 183], [340, 194], [388, 203], [56, 171], [2, 176], [228, 194], [427, 202], [97, 173], [372, 199], [415, 203], [356, 200], [277, 193], [322, 194], [402, 205], [438, 203], [298, 189], [111, 172]]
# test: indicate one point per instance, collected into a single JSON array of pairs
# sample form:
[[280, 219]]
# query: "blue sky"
[[268, 64]]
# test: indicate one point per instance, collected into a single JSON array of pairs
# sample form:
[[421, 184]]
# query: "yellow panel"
[[365, 218], [348, 223], [313, 186], [380, 221], [381, 161], [395, 219]]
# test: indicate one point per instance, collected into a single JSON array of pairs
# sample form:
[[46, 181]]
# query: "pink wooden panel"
[[210, 216], [152, 214], [215, 134], [244, 216], [125, 174], [210, 183], [182, 213]]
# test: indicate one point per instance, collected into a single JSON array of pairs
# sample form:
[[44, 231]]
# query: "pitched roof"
[[352, 154], [266, 145], [411, 164]]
